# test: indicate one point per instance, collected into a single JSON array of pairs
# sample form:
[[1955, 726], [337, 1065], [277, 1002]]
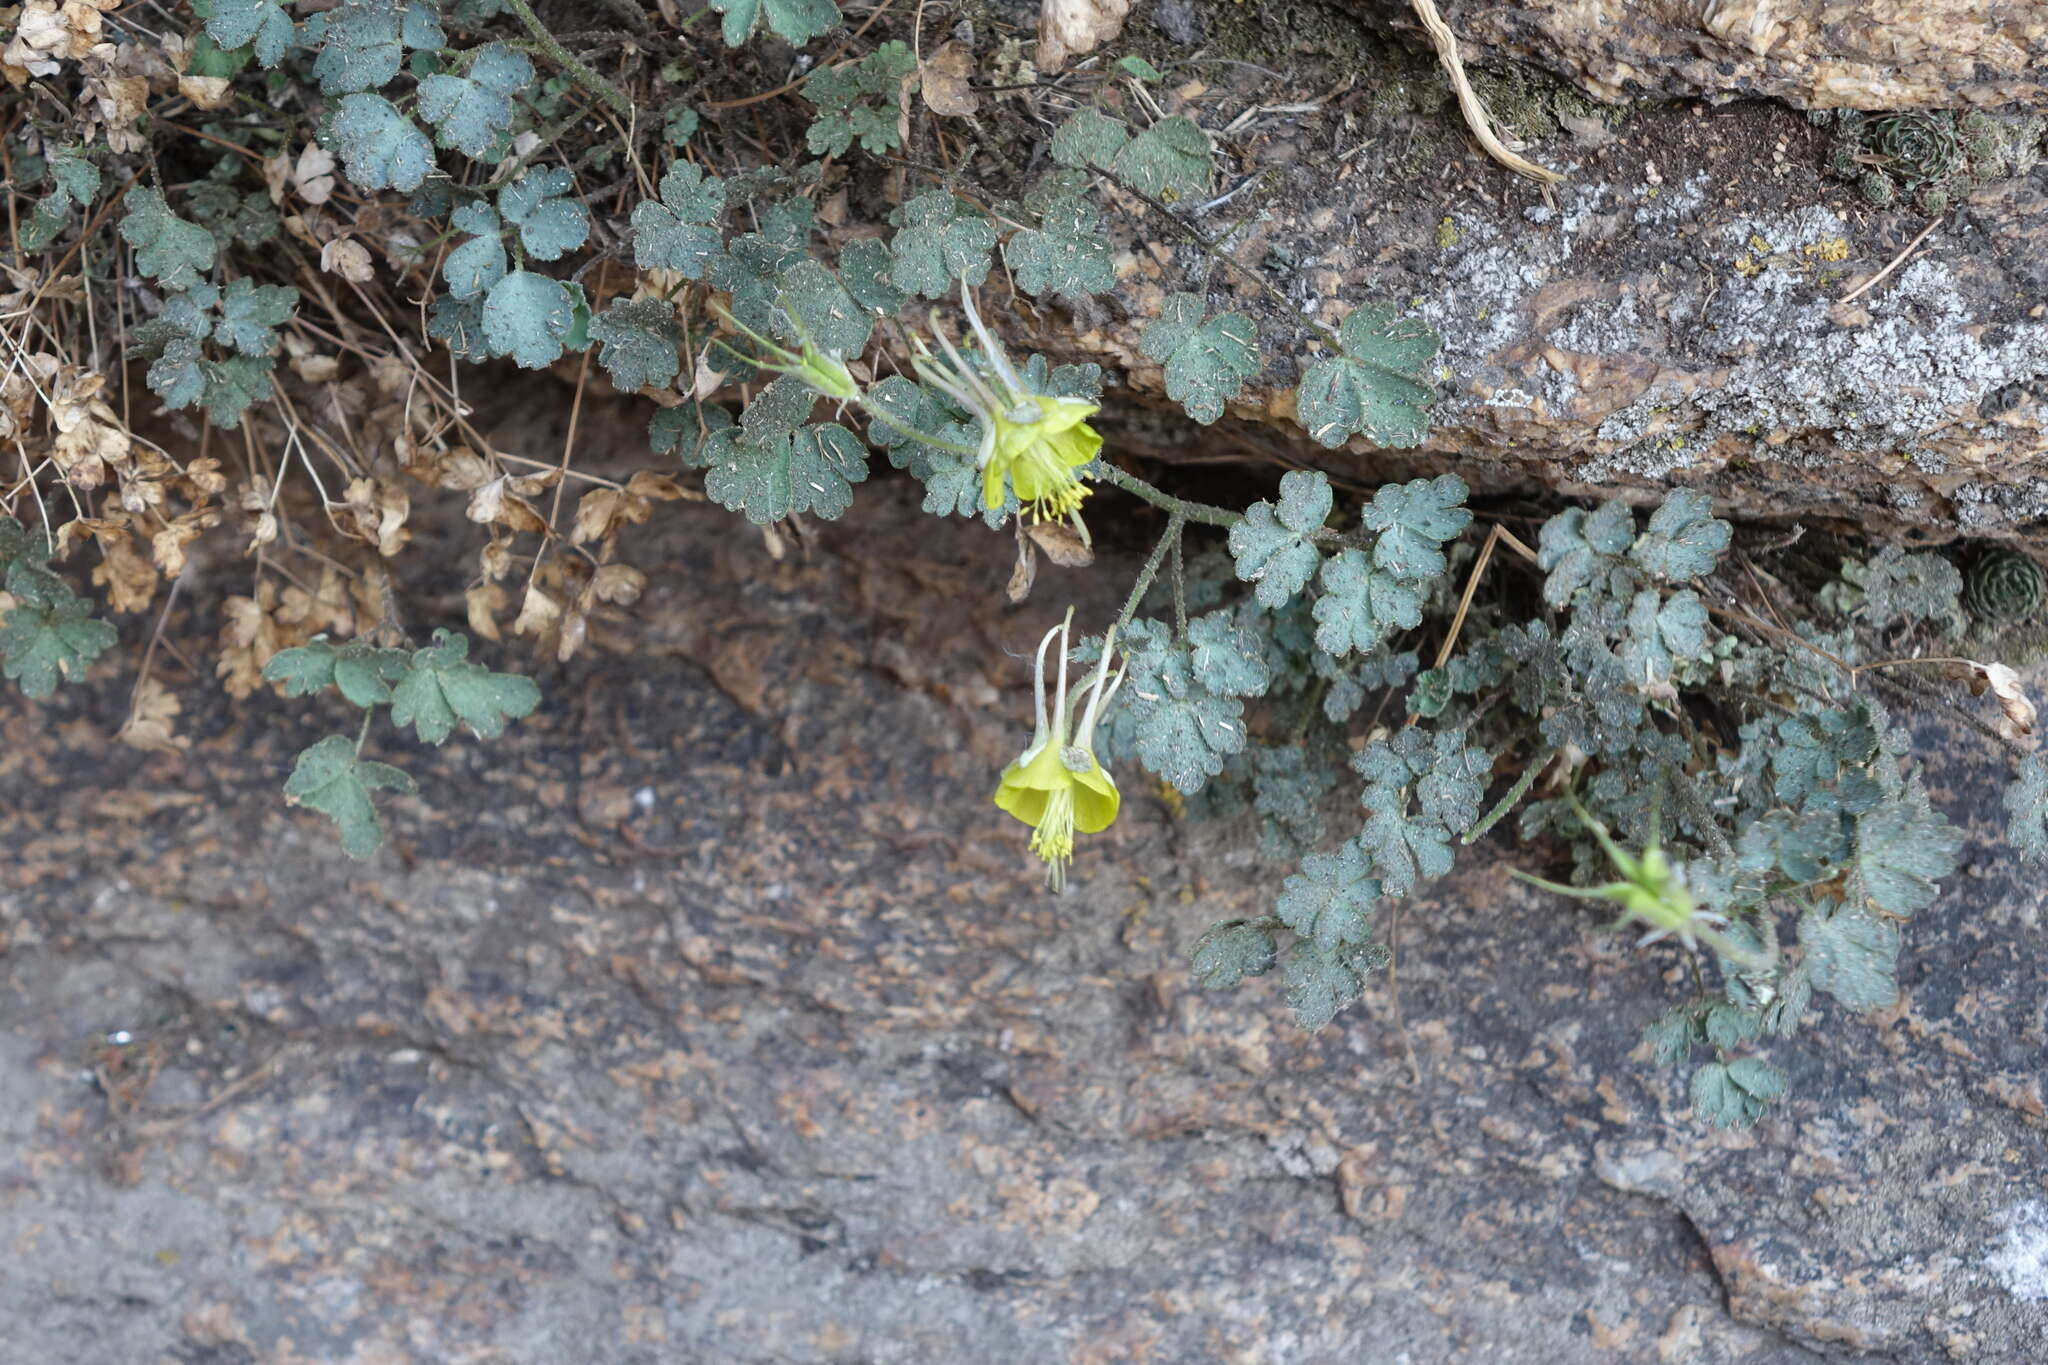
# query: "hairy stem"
[[569, 62], [1168, 540], [1199, 512]]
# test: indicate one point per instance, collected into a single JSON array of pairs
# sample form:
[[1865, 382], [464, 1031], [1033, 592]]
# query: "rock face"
[[1693, 305], [715, 1015], [1884, 54]]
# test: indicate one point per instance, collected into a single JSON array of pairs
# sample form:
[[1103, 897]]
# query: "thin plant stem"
[[1199, 512], [1180, 592], [569, 62], [1514, 796], [1175, 524]]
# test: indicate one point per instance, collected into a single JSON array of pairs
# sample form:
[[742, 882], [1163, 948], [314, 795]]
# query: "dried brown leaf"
[[151, 722], [946, 75], [1062, 544]]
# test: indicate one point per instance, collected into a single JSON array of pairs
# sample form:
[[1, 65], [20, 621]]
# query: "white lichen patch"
[[2020, 1260]]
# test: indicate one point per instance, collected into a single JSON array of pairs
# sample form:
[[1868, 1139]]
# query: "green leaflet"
[[2026, 807], [796, 22], [49, 634], [480, 262], [862, 100], [261, 25], [1066, 254], [773, 465], [1175, 725], [472, 113], [1318, 984], [1362, 605], [1088, 140], [551, 224], [1851, 955], [1271, 546], [1413, 519], [363, 42], [1901, 586], [1379, 387], [444, 687], [1903, 849], [1169, 161], [679, 232], [331, 779], [941, 242], [380, 148], [1578, 549], [1736, 1094], [528, 317], [168, 249], [1207, 363], [1232, 951], [1330, 901], [1683, 539], [638, 343], [361, 672]]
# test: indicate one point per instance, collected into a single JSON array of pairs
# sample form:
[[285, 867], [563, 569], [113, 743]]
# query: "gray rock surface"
[[1698, 302], [714, 1015]]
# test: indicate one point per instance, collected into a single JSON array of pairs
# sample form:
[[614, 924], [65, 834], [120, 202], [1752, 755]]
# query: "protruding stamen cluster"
[[1057, 785]]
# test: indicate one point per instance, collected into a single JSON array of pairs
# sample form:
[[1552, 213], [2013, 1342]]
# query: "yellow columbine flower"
[[1057, 785], [1037, 441]]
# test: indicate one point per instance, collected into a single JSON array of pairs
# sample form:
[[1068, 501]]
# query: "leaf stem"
[[1200, 513], [1176, 522], [569, 62], [369, 714]]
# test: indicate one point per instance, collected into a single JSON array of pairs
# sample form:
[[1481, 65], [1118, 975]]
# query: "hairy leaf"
[[1903, 848], [168, 249], [1673, 1035], [1318, 984], [1413, 519], [1379, 387], [1287, 789], [458, 323], [527, 317], [1088, 140], [860, 99], [1232, 951], [1066, 254], [827, 313], [941, 241], [551, 225], [1736, 1094], [49, 634], [1852, 955], [1226, 659], [1330, 901], [864, 267], [1576, 548], [772, 465], [473, 112], [796, 22], [679, 233], [1898, 586], [1683, 540], [1271, 545], [1207, 363], [380, 147], [1177, 727], [251, 313], [638, 340], [331, 779], [2026, 807], [480, 262], [952, 483], [260, 24], [1362, 605], [1169, 160], [444, 687]]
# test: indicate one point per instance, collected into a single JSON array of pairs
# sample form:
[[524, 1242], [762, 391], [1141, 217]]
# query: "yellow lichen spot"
[[1447, 233], [1747, 266], [1759, 245], [1827, 249]]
